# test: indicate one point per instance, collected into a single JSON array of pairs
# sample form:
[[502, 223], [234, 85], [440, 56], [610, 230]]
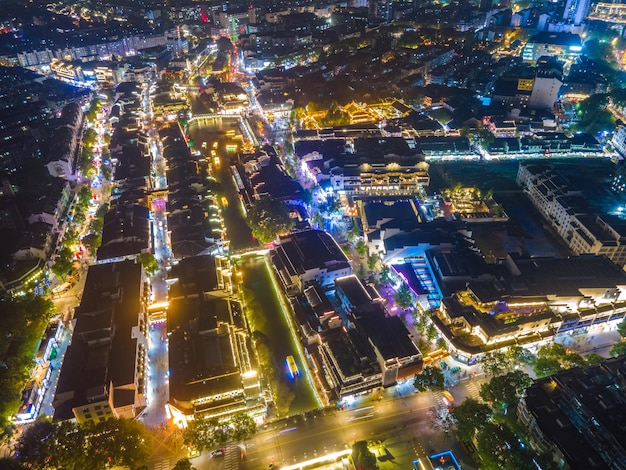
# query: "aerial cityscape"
[[362, 234]]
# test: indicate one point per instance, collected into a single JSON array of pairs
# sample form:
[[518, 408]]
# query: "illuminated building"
[[310, 256], [213, 371], [567, 47], [577, 416], [565, 209], [104, 370], [67, 71]]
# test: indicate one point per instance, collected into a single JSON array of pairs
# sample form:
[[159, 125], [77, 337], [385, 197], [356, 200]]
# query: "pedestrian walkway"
[[55, 366], [163, 464], [473, 390], [440, 399]]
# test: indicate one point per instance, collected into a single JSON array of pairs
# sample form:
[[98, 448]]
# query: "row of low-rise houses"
[[373, 165], [119, 47], [213, 369], [37, 235], [104, 373], [193, 216], [565, 209], [354, 341], [479, 306], [577, 415]]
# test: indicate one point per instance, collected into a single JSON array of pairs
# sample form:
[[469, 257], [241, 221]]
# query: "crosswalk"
[[473, 390], [439, 398], [163, 464]]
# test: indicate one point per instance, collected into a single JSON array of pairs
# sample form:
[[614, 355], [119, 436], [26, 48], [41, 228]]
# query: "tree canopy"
[[470, 416], [362, 457], [204, 434], [431, 379], [506, 389], [268, 218], [183, 464], [403, 297], [71, 446], [500, 362], [22, 323], [149, 263], [618, 349], [554, 358]]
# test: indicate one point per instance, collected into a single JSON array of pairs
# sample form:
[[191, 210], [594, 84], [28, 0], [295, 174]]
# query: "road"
[[400, 421]]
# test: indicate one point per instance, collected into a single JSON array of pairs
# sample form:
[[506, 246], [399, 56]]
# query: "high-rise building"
[[576, 11]]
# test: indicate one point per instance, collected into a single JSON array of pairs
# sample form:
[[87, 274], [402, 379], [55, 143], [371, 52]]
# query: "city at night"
[[308, 235]]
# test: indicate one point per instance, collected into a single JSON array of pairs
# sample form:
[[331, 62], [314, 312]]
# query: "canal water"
[[214, 130], [259, 291], [258, 287]]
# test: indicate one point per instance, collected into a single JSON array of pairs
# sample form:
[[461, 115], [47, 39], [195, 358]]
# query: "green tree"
[[545, 366], [70, 238], [63, 262], [79, 218], [441, 114], [64, 445], [183, 464], [22, 322], [497, 363], [372, 261], [618, 349], [243, 427], [431, 332], [84, 197], [149, 263], [362, 457], [89, 137], [94, 107], [553, 358], [199, 434], [593, 359], [499, 448], [268, 219], [85, 162], [621, 328], [224, 45], [119, 442], [470, 416], [478, 134], [36, 445], [506, 389], [92, 242], [520, 355], [403, 296], [385, 273], [431, 379], [71, 446], [105, 171], [360, 248]]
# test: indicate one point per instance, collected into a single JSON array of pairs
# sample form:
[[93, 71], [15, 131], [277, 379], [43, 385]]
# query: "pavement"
[[599, 340]]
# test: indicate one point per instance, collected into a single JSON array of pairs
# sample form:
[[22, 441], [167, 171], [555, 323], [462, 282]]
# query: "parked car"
[[217, 453]]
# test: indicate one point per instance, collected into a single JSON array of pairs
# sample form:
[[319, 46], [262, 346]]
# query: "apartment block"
[[582, 230]]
